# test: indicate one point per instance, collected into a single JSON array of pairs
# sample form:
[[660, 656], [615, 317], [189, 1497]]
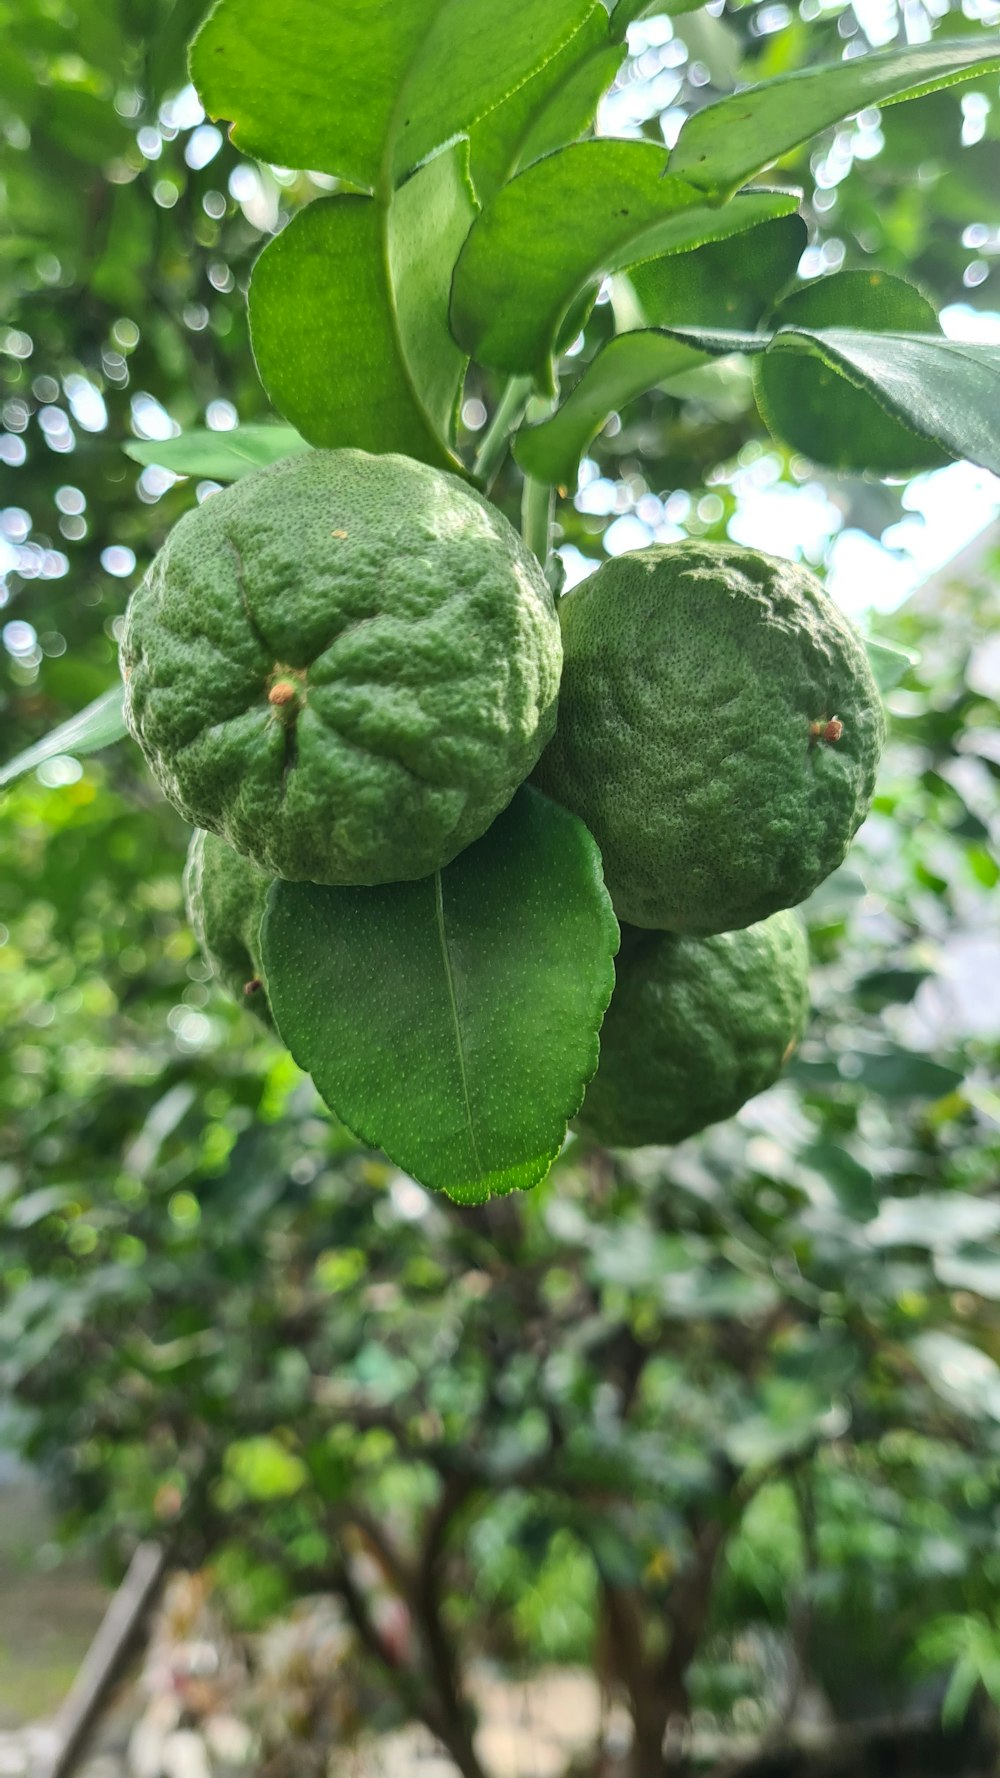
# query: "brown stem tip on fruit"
[[826, 731], [253, 987], [282, 692]]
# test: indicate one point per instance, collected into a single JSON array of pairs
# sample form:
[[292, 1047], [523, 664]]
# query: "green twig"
[[493, 449], [537, 502]]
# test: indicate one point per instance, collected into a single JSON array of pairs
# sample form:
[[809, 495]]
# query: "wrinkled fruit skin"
[[719, 733], [344, 665], [695, 1028], [224, 894]]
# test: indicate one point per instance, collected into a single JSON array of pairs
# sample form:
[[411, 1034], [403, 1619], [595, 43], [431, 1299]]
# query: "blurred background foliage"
[[720, 1423]]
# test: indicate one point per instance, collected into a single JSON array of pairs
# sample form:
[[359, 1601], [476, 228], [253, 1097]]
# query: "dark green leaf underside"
[[453, 1022], [348, 315], [718, 285], [946, 391], [821, 413]]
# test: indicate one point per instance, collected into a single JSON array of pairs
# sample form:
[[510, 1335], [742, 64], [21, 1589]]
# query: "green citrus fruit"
[[225, 894], [696, 1026], [719, 732], [344, 665]]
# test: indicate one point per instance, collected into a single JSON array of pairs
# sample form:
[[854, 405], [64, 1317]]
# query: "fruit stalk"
[[536, 517], [493, 449]]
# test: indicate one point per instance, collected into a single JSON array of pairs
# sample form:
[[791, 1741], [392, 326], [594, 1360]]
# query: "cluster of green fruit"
[[341, 669]]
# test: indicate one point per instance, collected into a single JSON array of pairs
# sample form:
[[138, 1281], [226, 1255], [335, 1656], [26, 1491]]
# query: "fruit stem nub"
[[826, 731], [286, 693]]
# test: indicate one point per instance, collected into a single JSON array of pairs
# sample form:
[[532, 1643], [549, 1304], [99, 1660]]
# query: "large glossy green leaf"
[[453, 1022], [947, 391], [591, 208], [820, 413], [220, 456], [722, 146], [369, 90], [348, 315], [553, 108], [99, 725]]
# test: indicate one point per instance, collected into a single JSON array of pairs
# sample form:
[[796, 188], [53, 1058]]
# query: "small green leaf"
[[977, 1272], [819, 413], [888, 987], [368, 92], [572, 106], [710, 282], [795, 1415], [453, 1021], [965, 1376], [713, 43], [832, 901], [713, 286], [902, 1074], [939, 1221], [944, 390], [166, 60], [99, 725], [722, 146], [27, 1211], [594, 207], [623, 369], [264, 1469], [889, 664], [219, 456], [962, 1687], [982, 863], [348, 315], [852, 1185]]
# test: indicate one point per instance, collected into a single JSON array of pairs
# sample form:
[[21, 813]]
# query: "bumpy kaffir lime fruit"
[[225, 894], [696, 1026], [719, 732], [344, 665]]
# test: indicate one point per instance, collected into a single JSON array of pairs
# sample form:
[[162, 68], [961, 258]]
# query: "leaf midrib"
[[386, 181], [456, 1022]]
